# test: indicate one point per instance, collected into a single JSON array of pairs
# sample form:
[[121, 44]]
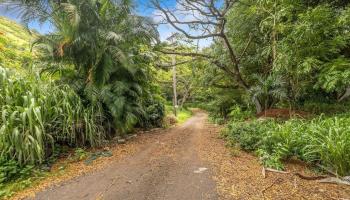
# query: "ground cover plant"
[[320, 141], [182, 114]]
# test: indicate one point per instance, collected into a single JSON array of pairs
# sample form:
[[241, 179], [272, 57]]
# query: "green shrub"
[[326, 107], [324, 140], [233, 113], [15, 177], [11, 169], [238, 114], [248, 134], [79, 154], [329, 143], [270, 160], [217, 119], [154, 114]]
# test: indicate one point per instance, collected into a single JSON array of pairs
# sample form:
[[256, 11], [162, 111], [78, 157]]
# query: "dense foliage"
[[103, 54], [293, 53], [35, 115]]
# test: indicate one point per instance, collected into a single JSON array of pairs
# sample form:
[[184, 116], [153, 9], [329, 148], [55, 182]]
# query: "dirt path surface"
[[187, 162], [168, 168]]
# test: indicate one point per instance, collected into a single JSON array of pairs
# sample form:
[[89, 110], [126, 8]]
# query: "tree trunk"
[[258, 106], [184, 98], [274, 36], [345, 95]]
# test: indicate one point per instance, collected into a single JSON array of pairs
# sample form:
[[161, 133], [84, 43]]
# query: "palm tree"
[[96, 48], [268, 90]]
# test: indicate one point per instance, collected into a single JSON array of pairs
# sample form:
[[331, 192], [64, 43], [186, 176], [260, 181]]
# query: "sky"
[[142, 7], [14, 15]]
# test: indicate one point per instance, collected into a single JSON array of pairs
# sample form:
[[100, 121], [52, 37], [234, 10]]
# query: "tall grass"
[[36, 114]]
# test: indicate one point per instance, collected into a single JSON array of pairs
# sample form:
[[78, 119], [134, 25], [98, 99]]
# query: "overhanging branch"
[[177, 64]]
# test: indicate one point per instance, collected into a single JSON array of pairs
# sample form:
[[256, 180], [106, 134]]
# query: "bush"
[[329, 143], [238, 114], [217, 119], [247, 134], [234, 113], [11, 169], [326, 107], [154, 114], [323, 140]]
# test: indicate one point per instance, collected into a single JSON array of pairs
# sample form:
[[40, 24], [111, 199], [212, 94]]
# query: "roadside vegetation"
[[182, 115], [322, 141]]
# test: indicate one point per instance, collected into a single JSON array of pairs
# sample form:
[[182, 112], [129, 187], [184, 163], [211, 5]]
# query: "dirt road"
[[168, 168], [187, 162]]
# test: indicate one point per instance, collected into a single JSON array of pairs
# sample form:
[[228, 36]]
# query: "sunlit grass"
[[183, 115], [15, 42]]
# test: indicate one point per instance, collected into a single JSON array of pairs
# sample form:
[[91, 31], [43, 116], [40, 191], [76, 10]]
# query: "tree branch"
[[173, 24], [246, 47], [190, 54], [178, 63], [215, 29]]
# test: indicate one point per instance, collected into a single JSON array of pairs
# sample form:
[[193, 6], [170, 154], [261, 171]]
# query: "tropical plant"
[[98, 49], [323, 141], [35, 115], [269, 91]]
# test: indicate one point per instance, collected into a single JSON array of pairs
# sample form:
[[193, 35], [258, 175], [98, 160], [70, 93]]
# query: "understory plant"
[[324, 141]]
